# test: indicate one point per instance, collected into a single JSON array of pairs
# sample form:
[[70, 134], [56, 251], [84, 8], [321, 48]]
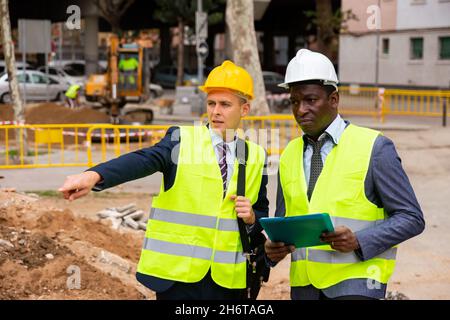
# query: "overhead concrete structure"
[[279, 21]]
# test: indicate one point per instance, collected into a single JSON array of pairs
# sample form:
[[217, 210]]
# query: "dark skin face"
[[313, 108]]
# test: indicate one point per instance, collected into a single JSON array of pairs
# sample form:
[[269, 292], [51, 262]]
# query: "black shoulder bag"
[[253, 247]]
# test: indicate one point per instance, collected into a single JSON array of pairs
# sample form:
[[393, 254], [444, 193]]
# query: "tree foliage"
[[170, 11], [113, 10], [181, 13], [328, 25]]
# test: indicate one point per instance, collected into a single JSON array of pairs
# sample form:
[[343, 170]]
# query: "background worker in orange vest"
[[199, 253]]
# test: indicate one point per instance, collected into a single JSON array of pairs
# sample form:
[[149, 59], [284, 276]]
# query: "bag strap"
[[242, 156]]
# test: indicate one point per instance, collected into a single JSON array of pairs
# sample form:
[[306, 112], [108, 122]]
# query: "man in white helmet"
[[352, 173]]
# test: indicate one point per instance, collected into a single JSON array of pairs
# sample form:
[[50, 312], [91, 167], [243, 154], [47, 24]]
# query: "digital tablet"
[[300, 231]]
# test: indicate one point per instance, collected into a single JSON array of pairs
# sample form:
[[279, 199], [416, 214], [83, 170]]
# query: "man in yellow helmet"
[[352, 173], [72, 95], [192, 247]]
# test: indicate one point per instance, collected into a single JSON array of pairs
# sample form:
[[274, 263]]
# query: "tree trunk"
[[240, 22], [269, 50], [209, 61], [325, 32], [8, 51], [115, 26], [164, 49], [180, 59]]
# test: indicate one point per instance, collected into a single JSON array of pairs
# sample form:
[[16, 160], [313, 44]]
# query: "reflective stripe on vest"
[[344, 170], [340, 257], [192, 228], [191, 219], [337, 257], [192, 251], [299, 254], [177, 249]]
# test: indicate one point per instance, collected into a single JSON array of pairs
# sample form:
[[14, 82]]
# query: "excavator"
[[123, 82]]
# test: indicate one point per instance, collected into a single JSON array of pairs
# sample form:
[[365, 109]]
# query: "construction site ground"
[[46, 242]]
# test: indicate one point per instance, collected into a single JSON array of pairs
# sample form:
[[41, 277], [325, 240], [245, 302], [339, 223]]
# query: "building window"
[[416, 48], [385, 46], [444, 48]]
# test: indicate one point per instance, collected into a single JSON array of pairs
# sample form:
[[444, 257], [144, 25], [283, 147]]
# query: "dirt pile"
[[29, 250], [43, 250]]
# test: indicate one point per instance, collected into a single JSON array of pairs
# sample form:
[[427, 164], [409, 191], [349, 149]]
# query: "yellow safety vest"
[[191, 227], [339, 191], [72, 92], [128, 64]]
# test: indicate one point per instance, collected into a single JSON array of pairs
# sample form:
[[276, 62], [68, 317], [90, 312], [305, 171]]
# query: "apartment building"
[[401, 43]]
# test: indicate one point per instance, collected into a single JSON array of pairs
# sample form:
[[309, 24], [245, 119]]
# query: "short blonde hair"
[[243, 98]]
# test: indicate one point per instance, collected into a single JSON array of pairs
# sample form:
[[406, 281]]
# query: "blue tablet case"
[[301, 231]]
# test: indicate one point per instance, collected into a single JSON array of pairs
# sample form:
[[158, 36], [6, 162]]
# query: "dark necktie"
[[222, 147], [316, 164]]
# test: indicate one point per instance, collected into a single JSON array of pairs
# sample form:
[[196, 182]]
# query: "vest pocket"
[[349, 187], [292, 189], [191, 182]]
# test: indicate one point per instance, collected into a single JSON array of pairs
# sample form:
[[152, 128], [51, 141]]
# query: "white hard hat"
[[309, 65]]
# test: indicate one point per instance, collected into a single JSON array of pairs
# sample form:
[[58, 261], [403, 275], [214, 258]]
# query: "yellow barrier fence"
[[360, 101], [273, 132], [380, 103], [47, 144], [415, 102], [84, 145], [69, 145], [64, 145], [125, 138]]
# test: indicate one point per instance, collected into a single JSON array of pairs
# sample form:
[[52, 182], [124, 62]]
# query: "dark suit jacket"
[[158, 158]]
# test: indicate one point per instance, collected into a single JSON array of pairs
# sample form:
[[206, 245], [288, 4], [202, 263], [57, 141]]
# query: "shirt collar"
[[217, 139], [336, 128]]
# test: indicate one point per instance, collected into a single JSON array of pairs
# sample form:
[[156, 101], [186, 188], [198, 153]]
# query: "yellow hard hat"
[[229, 76]]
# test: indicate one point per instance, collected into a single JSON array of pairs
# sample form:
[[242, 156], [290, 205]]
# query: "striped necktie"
[[222, 147], [316, 164]]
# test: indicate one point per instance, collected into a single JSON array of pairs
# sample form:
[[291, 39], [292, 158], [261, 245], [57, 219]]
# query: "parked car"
[[271, 82], [36, 85], [64, 74], [77, 66], [19, 66], [166, 76]]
